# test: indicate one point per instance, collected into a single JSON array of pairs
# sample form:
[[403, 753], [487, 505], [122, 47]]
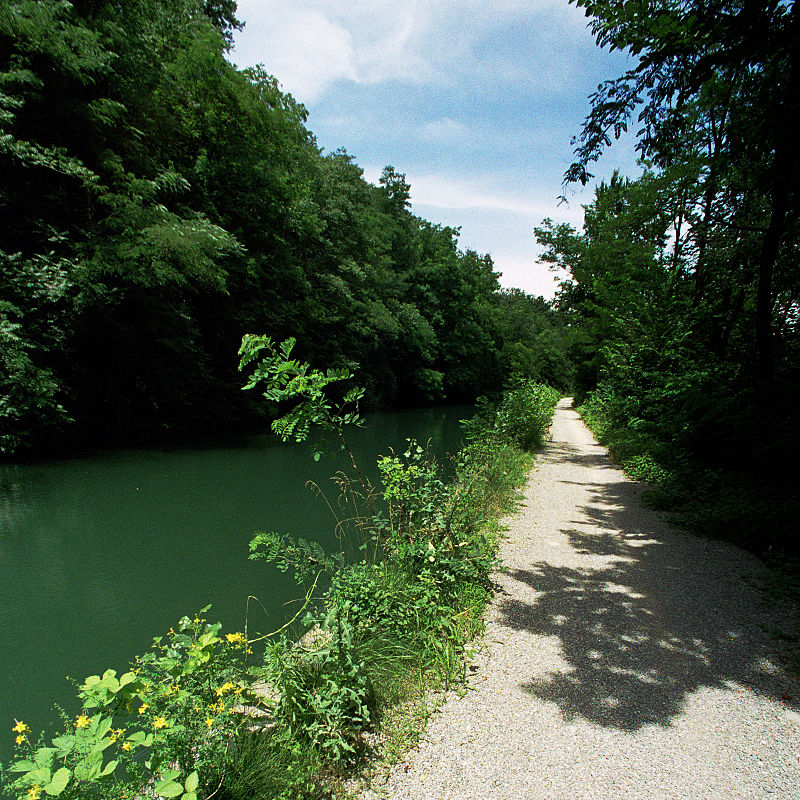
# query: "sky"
[[475, 101]]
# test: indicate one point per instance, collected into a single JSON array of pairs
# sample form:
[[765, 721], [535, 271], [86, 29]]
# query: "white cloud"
[[310, 45], [305, 50], [437, 191]]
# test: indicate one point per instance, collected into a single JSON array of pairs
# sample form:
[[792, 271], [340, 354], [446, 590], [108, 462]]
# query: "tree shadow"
[[652, 616]]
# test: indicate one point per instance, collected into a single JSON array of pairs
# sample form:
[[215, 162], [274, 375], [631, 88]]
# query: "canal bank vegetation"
[[198, 716], [158, 202]]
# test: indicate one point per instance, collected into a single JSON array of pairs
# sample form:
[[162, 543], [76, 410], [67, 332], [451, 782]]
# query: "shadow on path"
[[653, 616]]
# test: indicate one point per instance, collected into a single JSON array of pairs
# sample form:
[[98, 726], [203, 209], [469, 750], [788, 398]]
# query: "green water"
[[100, 554]]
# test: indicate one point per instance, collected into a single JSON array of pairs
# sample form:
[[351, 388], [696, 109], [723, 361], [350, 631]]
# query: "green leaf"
[[59, 782], [89, 768], [109, 768], [22, 766], [127, 678], [169, 789], [103, 728], [64, 744], [189, 796], [192, 782]]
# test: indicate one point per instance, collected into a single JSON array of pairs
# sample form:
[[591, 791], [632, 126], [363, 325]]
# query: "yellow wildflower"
[[209, 721], [159, 723], [126, 746], [34, 793], [143, 707], [20, 727], [235, 638], [115, 734], [82, 721], [21, 739]]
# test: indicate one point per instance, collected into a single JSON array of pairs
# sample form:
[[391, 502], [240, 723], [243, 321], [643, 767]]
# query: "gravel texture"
[[623, 659]]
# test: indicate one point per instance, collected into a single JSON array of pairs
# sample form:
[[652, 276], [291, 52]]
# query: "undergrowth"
[[194, 718]]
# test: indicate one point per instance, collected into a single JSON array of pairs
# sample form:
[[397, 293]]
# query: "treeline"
[[684, 296], [158, 203]]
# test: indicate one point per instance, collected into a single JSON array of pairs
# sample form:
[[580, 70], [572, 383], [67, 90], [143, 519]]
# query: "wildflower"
[[20, 727], [143, 707], [34, 793], [126, 746], [209, 721], [21, 739], [160, 722], [115, 734], [82, 721], [226, 687], [235, 638]]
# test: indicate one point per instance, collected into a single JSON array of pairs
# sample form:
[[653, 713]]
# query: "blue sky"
[[475, 101]]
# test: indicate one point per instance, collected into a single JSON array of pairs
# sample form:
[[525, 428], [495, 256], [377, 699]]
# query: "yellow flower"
[[143, 707], [20, 727], [115, 734], [34, 793], [209, 721], [159, 723], [235, 638], [21, 739], [126, 746], [82, 721]]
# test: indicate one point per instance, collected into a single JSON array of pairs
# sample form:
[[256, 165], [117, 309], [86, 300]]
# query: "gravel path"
[[624, 660]]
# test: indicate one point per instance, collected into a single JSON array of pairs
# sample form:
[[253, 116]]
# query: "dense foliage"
[[157, 203], [200, 716], [684, 295]]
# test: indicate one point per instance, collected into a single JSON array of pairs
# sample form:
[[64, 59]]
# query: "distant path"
[[626, 660]]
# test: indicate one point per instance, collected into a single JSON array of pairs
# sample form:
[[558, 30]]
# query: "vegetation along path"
[[624, 659]]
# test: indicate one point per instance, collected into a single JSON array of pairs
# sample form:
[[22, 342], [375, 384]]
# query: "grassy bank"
[[200, 715]]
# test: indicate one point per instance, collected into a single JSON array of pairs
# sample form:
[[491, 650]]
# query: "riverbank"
[[623, 658], [390, 625]]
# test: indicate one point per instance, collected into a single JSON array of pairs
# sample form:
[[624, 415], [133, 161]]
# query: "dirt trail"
[[625, 660]]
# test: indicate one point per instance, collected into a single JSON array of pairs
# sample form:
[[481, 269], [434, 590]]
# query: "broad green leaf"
[[59, 782], [40, 776], [44, 757], [109, 768], [104, 727], [169, 789], [127, 678], [192, 781], [22, 766], [170, 775], [64, 744], [89, 768]]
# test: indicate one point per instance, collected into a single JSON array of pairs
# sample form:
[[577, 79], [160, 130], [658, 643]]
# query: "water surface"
[[99, 554]]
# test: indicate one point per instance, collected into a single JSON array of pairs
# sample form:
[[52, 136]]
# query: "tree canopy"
[[684, 290], [159, 203]]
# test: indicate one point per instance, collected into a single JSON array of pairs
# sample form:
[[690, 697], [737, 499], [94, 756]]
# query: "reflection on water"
[[100, 554]]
